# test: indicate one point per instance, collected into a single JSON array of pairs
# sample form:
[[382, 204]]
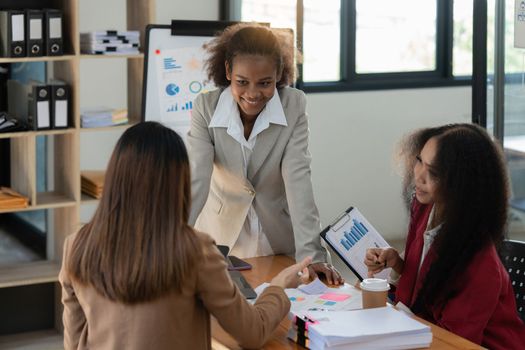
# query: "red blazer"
[[484, 310]]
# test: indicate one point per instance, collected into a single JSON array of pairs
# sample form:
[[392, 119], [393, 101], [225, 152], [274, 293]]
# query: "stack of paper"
[[379, 328], [110, 42], [102, 116], [10, 199], [92, 182]]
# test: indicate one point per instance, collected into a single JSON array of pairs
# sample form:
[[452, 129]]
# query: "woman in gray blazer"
[[248, 145]]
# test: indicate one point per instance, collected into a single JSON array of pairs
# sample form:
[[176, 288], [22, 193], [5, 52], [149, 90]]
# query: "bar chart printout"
[[352, 236]]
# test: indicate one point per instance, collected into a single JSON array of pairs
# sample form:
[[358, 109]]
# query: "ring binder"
[[59, 105], [29, 103], [12, 33], [35, 32], [53, 32]]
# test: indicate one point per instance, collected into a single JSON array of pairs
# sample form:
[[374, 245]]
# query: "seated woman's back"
[[138, 276], [177, 320]]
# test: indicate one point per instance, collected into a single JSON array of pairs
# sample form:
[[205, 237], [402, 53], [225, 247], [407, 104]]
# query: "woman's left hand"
[[331, 274]]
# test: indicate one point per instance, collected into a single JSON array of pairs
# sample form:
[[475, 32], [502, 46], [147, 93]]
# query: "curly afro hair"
[[251, 39]]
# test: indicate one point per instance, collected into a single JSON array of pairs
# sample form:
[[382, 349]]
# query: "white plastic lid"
[[375, 284]]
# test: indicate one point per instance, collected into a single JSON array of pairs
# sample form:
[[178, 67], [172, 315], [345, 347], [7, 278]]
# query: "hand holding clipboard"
[[350, 235]]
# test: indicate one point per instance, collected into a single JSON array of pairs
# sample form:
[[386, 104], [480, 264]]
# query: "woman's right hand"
[[294, 275], [378, 259]]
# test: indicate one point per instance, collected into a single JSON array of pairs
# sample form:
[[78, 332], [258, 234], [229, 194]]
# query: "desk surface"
[[264, 268]]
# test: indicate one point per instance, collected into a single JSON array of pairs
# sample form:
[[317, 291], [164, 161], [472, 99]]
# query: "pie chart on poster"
[[172, 89]]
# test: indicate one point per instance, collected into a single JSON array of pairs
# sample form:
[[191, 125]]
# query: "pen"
[[384, 264]]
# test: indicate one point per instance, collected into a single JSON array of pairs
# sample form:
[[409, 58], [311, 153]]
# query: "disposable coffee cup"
[[374, 292]]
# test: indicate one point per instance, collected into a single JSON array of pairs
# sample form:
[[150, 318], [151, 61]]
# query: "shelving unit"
[[139, 56], [108, 128], [65, 200], [37, 59]]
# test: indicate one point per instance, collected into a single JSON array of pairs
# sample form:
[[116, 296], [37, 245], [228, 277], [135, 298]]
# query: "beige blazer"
[[278, 183], [175, 321]]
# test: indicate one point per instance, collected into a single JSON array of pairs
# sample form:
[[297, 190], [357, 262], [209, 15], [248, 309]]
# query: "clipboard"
[[350, 235]]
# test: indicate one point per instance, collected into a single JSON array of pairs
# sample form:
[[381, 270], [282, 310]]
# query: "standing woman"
[[450, 272], [137, 276], [248, 146]]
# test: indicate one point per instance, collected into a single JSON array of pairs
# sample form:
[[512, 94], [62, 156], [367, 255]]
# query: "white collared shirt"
[[428, 237], [251, 241]]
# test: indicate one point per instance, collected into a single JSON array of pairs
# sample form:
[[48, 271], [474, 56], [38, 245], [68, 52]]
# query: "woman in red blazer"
[[450, 273]]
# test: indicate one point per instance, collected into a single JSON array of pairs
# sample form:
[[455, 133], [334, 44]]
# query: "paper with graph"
[[345, 297], [350, 236]]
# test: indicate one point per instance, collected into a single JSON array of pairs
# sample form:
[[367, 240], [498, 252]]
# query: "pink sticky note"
[[335, 296]]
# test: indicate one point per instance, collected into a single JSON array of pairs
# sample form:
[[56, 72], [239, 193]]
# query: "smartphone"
[[238, 264]]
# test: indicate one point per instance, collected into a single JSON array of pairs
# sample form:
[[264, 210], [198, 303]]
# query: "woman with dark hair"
[[450, 272], [248, 145], [137, 276]]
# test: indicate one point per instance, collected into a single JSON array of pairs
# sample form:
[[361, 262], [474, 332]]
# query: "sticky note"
[[335, 296]]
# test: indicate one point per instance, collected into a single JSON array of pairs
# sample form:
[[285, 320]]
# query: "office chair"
[[512, 254]]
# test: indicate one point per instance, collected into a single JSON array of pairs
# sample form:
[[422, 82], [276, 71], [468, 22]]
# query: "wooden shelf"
[[108, 128], [9, 135], [87, 199], [132, 56], [63, 157], [47, 339], [48, 200], [29, 273], [37, 59]]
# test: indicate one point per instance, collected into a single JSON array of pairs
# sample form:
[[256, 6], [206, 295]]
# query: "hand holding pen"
[[378, 259]]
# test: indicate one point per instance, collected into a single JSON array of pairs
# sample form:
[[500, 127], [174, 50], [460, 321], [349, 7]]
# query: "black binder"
[[29, 103], [35, 32], [60, 93], [38, 107], [53, 32], [12, 33]]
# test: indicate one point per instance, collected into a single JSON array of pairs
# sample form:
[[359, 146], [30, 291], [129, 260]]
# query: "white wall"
[[183, 9], [352, 134]]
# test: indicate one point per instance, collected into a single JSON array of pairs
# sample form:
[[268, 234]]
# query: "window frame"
[[352, 81]]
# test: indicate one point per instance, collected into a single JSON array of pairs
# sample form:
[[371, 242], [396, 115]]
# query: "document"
[[314, 287], [383, 327], [350, 235], [346, 297]]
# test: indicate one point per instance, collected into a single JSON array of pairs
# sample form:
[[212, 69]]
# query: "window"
[[321, 31], [321, 40], [371, 44], [463, 29], [395, 36]]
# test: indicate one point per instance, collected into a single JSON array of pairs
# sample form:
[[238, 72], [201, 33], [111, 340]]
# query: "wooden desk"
[[264, 268]]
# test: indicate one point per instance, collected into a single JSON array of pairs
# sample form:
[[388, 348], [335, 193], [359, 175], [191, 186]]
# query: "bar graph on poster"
[[181, 78], [174, 71]]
